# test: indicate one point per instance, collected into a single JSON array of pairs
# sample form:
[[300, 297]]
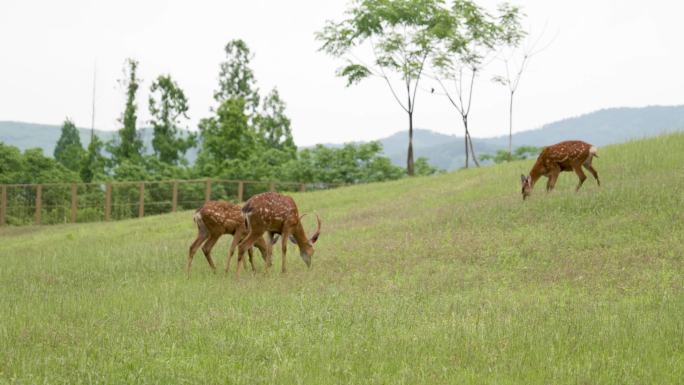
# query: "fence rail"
[[52, 203]]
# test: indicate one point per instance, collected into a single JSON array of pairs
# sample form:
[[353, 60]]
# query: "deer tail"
[[593, 151], [201, 227], [247, 208]]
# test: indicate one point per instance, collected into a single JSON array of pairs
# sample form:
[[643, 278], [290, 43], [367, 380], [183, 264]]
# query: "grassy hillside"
[[442, 280]]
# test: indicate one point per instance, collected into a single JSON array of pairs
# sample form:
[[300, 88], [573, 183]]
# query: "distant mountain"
[[608, 126], [45, 136]]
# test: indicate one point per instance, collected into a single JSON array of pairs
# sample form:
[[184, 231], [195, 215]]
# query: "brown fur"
[[213, 220], [570, 155], [274, 213]]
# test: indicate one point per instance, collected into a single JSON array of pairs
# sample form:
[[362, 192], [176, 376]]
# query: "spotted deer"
[[273, 213], [570, 155], [213, 220]]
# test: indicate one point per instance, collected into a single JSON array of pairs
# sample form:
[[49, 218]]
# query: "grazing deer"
[[563, 156], [213, 220], [276, 214]]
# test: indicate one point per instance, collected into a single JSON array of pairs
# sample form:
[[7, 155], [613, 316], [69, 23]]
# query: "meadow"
[[436, 280]]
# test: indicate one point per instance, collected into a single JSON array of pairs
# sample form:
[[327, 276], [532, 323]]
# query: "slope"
[[440, 280]]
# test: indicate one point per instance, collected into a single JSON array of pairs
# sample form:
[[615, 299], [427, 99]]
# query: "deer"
[[213, 220], [570, 155], [273, 213]]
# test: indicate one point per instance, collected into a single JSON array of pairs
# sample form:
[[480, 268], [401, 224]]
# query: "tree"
[[39, 168], [273, 126], [69, 151], [93, 165], [128, 145], [521, 153], [11, 164], [349, 164], [424, 168], [473, 36], [511, 80], [167, 104], [32, 166], [401, 35], [236, 79], [225, 137]]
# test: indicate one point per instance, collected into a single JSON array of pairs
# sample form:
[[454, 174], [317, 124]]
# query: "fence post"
[[302, 187], [108, 202], [174, 197], [241, 191], [74, 200], [207, 191], [39, 203], [3, 205], [141, 204], [271, 186]]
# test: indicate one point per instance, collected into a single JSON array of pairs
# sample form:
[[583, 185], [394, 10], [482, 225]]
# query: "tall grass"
[[449, 279]]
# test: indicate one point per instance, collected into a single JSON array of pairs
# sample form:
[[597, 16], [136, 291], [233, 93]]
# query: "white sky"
[[605, 54]]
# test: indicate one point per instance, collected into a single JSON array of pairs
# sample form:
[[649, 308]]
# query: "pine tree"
[[69, 151]]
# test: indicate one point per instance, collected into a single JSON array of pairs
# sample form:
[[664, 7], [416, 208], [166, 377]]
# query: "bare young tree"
[[462, 99], [515, 65], [471, 44]]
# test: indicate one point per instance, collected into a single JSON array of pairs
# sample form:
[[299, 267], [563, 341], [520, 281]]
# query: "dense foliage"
[[32, 166], [520, 153]]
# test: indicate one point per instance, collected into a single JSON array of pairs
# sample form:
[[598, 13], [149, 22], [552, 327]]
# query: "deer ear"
[[523, 178]]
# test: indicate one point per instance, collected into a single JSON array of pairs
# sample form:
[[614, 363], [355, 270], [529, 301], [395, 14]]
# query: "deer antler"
[[317, 233]]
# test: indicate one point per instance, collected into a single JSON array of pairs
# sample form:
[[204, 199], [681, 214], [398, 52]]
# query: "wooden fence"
[[22, 204]]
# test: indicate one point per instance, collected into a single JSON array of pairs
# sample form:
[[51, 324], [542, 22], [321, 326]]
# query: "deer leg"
[[231, 251], [201, 237], [272, 238], [552, 180], [553, 174], [593, 172], [285, 235], [263, 249], [245, 245], [251, 258], [580, 175], [206, 249]]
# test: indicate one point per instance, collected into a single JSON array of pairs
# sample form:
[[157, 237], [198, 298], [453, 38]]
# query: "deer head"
[[305, 244], [526, 186]]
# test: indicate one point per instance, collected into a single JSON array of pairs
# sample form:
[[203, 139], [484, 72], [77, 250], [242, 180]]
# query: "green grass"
[[449, 279]]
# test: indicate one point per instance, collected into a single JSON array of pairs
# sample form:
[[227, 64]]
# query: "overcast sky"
[[604, 54]]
